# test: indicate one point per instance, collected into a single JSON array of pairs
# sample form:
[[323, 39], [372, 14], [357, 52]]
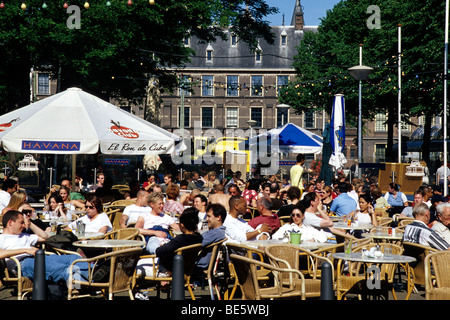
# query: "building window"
[[233, 40], [380, 122], [380, 152], [209, 53], [258, 54], [232, 117], [187, 117], [282, 116], [257, 115], [283, 40], [43, 83], [207, 86], [185, 84], [282, 82], [186, 41], [257, 85], [207, 117], [232, 86], [353, 154], [309, 119]]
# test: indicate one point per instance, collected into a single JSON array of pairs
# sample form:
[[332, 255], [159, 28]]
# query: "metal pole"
[[359, 118], [399, 126], [39, 281], [445, 98], [178, 278]]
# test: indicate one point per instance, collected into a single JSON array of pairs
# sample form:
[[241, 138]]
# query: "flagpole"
[[399, 126], [445, 100]]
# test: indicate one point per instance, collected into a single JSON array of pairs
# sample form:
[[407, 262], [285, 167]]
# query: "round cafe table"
[[345, 226], [109, 243], [397, 236]]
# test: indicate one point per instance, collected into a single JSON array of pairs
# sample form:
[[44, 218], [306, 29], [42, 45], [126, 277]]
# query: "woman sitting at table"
[[69, 204], [17, 198], [327, 199], [296, 225], [172, 205], [95, 219], [365, 214], [56, 208]]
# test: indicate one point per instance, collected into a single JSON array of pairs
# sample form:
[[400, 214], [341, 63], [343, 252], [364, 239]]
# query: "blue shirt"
[[209, 237], [343, 204]]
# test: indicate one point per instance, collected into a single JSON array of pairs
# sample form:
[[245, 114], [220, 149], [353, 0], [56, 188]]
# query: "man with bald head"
[[132, 212], [238, 229], [220, 197]]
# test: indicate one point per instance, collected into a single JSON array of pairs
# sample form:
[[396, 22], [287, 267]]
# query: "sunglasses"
[[89, 207], [296, 215], [27, 211]]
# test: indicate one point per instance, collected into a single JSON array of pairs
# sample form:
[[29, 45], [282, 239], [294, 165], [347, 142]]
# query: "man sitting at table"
[[215, 215], [15, 243], [264, 206], [314, 215], [418, 231], [155, 226], [166, 252], [132, 212], [343, 204], [238, 229]]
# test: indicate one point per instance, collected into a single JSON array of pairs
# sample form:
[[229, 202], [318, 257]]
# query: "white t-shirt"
[[134, 212], [308, 233], [4, 199], [201, 218], [236, 229], [163, 220], [94, 225], [13, 242]]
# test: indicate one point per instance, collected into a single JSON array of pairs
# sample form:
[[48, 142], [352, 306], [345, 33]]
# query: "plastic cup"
[[295, 237]]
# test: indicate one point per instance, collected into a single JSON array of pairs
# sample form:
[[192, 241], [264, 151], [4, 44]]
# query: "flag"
[[337, 132]]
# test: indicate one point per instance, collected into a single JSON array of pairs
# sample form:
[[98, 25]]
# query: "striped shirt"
[[418, 232]]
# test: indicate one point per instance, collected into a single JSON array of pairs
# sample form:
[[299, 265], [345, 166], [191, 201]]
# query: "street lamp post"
[[360, 73]]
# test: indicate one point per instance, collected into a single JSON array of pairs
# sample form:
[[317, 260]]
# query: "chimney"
[[297, 17]]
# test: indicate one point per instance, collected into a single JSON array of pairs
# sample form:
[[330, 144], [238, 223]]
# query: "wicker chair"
[[8, 279], [190, 255], [284, 219], [308, 263], [124, 234], [210, 272], [351, 279], [121, 266], [415, 272], [253, 211], [384, 221], [250, 252], [248, 280], [437, 280]]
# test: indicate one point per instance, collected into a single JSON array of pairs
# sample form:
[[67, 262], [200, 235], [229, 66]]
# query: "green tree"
[[119, 46], [324, 58]]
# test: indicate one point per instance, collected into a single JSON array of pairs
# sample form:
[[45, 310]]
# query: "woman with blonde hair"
[[17, 198], [210, 181]]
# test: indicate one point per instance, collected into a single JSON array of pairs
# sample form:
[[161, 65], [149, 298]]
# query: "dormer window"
[[284, 38], [258, 54], [233, 40], [209, 53]]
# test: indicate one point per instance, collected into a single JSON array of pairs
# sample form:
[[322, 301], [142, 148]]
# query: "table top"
[[88, 235], [384, 235], [345, 226], [304, 245], [109, 243], [358, 257]]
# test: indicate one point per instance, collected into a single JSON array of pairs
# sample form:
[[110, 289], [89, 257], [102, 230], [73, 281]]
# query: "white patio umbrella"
[[76, 122]]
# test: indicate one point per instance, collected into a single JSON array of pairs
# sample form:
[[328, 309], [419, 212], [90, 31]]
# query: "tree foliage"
[[324, 58], [119, 46]]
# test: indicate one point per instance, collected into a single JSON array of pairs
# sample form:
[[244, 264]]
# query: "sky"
[[313, 11]]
